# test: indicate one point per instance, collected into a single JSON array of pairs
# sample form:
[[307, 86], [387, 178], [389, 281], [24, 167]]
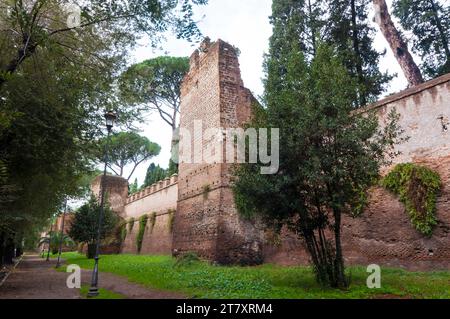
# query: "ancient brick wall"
[[116, 190], [384, 234], [68, 219], [207, 221], [161, 199]]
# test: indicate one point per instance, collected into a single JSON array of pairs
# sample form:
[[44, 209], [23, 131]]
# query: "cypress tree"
[[349, 30]]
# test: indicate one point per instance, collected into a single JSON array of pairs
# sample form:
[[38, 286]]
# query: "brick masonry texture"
[[384, 234], [116, 190], [206, 220]]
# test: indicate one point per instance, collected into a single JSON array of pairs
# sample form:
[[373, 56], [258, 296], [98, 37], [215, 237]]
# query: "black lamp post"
[[50, 239], [110, 118], [58, 263]]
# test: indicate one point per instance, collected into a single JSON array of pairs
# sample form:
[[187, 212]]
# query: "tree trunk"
[[91, 250], [313, 29], [341, 281], [174, 148], [28, 49], [397, 44]]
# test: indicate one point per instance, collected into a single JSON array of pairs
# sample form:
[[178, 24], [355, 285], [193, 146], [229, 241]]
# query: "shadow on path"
[[36, 278]]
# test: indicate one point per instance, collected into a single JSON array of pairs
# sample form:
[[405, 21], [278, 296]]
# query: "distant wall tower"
[[207, 221]]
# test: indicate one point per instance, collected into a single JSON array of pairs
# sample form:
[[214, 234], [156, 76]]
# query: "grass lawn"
[[202, 280]]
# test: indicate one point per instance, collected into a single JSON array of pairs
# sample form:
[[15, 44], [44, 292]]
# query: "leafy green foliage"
[[121, 22], [417, 188], [156, 83], [54, 238], [56, 81], [187, 259], [127, 148], [123, 231], [171, 220], [349, 29], [134, 188], [152, 221], [328, 155], [154, 175], [85, 223], [140, 235], [344, 25], [155, 86], [131, 224], [429, 22]]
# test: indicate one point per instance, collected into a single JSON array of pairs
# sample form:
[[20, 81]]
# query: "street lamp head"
[[110, 118]]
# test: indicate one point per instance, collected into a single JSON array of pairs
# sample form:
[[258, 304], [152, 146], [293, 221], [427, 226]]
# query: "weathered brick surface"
[[207, 222], [116, 190], [384, 234], [161, 199], [157, 240]]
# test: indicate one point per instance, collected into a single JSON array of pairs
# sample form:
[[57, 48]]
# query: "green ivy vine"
[[418, 188], [123, 231], [140, 235], [152, 221], [171, 220], [131, 224]]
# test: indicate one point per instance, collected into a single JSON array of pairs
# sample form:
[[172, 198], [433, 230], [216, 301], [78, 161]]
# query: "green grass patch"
[[201, 280]]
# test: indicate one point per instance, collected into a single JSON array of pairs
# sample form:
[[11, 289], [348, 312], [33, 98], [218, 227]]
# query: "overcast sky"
[[249, 29]]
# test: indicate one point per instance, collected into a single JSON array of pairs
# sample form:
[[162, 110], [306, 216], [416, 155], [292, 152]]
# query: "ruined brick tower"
[[207, 221]]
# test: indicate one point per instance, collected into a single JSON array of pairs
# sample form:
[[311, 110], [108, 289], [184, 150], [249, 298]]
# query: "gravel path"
[[35, 278]]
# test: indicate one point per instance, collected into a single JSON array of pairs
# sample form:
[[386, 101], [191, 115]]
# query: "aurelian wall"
[[384, 234], [206, 220], [160, 199]]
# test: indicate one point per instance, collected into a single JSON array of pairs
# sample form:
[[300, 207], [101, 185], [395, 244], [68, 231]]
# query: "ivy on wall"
[[131, 224], [123, 231], [171, 220], [152, 221], [140, 235], [418, 188]]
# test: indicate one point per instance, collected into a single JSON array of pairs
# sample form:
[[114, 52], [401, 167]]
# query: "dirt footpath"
[[35, 278]]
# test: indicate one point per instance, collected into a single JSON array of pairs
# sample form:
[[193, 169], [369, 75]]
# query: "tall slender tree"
[[155, 86], [293, 21], [154, 174], [342, 24], [429, 22], [348, 28], [127, 148]]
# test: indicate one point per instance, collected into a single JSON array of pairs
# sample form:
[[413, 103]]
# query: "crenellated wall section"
[[159, 199]]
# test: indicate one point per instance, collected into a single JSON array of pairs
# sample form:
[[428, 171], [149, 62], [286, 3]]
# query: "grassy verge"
[[202, 280]]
